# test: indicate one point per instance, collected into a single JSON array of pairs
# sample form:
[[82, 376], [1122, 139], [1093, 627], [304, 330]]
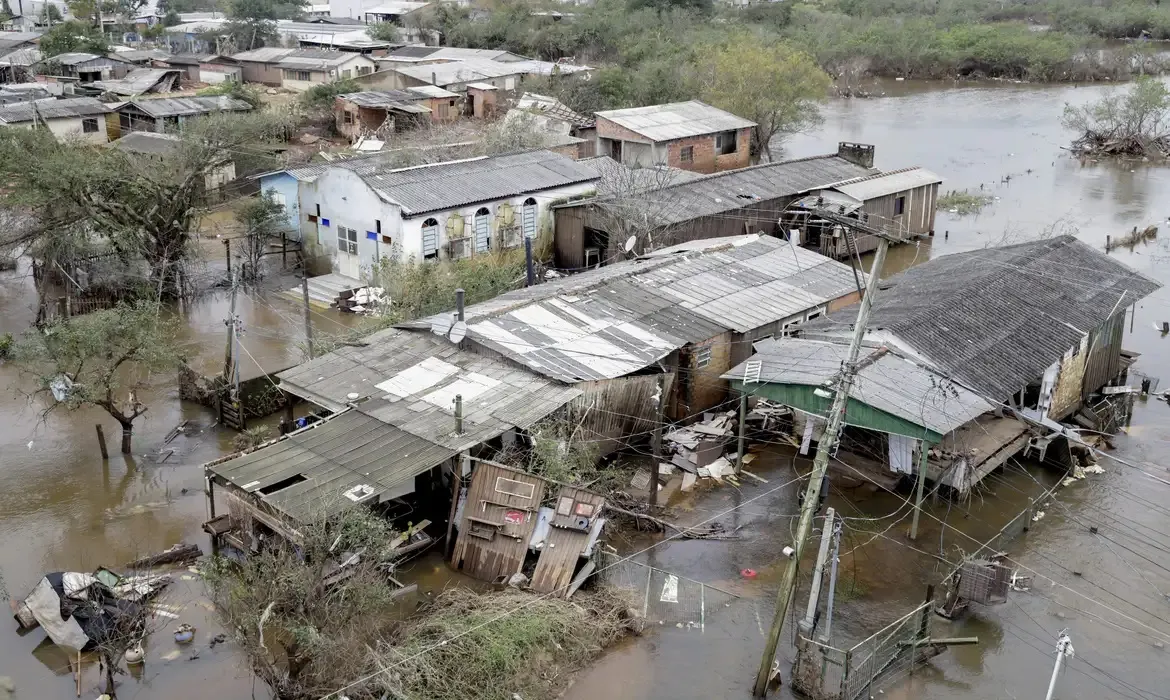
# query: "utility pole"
[[231, 334], [657, 446], [825, 447], [308, 319], [739, 448], [924, 451], [1064, 648], [833, 561], [814, 590]]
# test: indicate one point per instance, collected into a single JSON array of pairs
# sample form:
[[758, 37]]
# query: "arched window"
[[528, 218], [483, 230], [430, 238]]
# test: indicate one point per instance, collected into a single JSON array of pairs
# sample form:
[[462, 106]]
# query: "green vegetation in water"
[[498, 646], [962, 202]]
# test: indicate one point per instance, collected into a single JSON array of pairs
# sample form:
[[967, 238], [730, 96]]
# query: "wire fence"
[[664, 597], [824, 672]]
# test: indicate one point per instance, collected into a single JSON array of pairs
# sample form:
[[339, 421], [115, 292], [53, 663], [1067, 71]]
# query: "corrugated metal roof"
[[531, 66], [996, 318], [347, 450], [676, 120], [72, 59], [147, 142], [51, 109], [395, 8], [892, 383], [463, 71], [138, 81], [554, 109], [317, 59], [431, 91], [880, 185], [189, 59], [384, 98], [735, 189], [621, 318], [22, 57], [181, 106], [453, 184], [411, 380], [10, 40], [268, 54]]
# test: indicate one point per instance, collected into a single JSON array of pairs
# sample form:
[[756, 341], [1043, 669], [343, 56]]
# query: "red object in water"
[[748, 573]]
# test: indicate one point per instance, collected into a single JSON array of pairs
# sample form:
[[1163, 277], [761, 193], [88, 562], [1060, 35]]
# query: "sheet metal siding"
[[1104, 361], [503, 555], [857, 413], [569, 238]]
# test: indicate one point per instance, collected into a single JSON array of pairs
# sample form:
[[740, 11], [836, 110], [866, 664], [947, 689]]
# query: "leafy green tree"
[[171, 18], [73, 36], [774, 85], [383, 31], [145, 210], [661, 5], [102, 359]]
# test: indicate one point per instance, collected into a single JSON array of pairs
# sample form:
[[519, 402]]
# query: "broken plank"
[[580, 578], [746, 473]]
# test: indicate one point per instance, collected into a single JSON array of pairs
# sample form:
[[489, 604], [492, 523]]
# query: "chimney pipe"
[[458, 414]]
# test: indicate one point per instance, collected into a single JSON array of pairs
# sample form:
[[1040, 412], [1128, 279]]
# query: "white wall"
[[72, 128], [319, 77], [346, 200]]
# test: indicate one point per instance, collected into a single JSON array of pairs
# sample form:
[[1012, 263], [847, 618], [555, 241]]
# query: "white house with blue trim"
[[360, 210]]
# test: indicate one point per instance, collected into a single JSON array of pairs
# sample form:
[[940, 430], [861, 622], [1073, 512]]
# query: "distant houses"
[[164, 114], [74, 118], [687, 135]]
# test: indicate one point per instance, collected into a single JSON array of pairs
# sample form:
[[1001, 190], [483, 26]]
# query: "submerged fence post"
[[102, 441]]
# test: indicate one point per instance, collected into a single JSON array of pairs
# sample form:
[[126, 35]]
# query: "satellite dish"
[[630, 243], [353, 396], [458, 332]]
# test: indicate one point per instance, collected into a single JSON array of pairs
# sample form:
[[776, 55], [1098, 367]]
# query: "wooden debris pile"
[[1095, 143]]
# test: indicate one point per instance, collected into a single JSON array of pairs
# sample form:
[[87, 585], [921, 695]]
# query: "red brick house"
[[687, 135]]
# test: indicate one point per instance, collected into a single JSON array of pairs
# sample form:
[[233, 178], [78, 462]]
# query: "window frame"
[[686, 154], [721, 148], [702, 357], [87, 122], [347, 240], [899, 205]]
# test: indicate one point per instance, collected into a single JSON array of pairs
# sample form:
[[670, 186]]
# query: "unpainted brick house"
[[687, 135]]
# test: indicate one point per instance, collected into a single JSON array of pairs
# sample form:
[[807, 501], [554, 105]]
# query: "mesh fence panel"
[[664, 597]]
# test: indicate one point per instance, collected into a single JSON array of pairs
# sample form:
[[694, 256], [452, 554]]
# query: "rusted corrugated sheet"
[[575, 511], [1104, 361], [497, 523]]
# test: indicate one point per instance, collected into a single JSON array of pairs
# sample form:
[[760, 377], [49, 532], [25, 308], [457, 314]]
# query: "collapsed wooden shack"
[[502, 517]]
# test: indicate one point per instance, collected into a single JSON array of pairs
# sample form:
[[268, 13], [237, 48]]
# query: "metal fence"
[[824, 672], [664, 597]]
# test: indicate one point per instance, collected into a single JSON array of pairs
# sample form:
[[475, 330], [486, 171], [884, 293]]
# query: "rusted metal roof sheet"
[[307, 474], [677, 120], [410, 379], [20, 112], [622, 318], [187, 106], [996, 318]]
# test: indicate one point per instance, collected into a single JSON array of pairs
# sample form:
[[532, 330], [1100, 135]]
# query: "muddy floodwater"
[[62, 508]]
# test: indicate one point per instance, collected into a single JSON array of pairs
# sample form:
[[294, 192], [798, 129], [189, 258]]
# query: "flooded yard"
[[62, 508]]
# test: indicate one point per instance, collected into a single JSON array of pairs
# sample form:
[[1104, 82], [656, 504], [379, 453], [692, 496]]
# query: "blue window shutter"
[[371, 235], [324, 222]]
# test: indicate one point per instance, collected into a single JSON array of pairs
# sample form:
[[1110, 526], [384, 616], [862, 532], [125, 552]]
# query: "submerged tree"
[[303, 635], [140, 209], [263, 219], [102, 359], [1131, 122], [774, 85]]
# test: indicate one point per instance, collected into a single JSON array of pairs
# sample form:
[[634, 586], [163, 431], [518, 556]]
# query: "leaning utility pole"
[[825, 447], [1064, 648]]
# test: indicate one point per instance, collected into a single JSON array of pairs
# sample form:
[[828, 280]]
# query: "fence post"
[[845, 674], [62, 307], [102, 442]]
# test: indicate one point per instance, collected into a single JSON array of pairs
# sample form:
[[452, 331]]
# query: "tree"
[[383, 31], [262, 218], [304, 636], [72, 36], [1136, 121], [142, 210], [171, 18], [102, 359], [50, 15], [774, 85]]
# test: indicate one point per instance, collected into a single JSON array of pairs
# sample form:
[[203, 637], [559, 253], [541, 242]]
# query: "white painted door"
[[348, 262]]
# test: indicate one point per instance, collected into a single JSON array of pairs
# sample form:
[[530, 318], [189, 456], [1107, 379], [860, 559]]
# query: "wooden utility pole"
[[227, 251], [814, 591], [739, 449], [308, 319], [825, 447], [652, 500], [231, 334], [102, 442]]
